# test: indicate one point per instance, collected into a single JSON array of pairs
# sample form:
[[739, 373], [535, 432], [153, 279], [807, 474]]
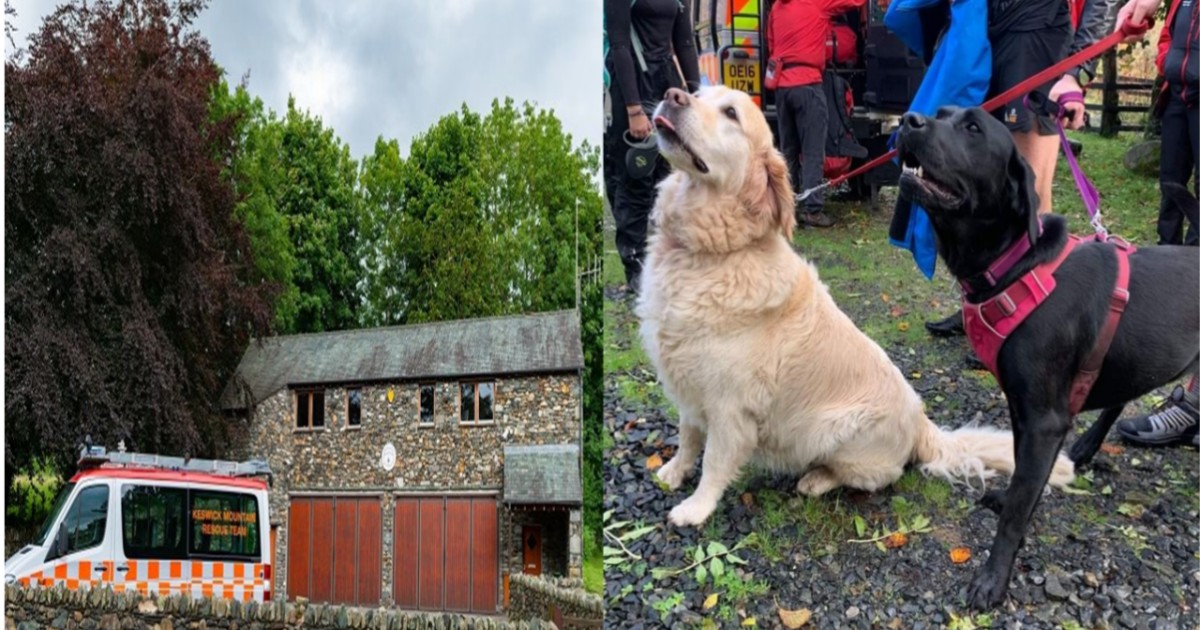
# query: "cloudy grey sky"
[[371, 68]]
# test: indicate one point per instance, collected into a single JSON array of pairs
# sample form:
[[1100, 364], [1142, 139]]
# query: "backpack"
[[840, 145]]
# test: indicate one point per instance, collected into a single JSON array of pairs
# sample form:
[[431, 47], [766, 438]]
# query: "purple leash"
[[1087, 190]]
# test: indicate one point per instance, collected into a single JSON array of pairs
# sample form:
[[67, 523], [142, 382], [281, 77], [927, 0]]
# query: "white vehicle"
[[157, 525]]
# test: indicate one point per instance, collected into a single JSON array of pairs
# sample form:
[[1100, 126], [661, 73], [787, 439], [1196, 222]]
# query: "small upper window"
[[475, 403], [353, 407], [427, 395], [310, 409]]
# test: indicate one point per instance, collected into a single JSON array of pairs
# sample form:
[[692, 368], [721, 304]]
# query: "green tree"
[[479, 220], [298, 201]]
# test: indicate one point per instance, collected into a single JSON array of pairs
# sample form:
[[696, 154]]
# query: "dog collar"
[[990, 277]]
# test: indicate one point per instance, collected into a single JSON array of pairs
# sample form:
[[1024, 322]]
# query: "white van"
[[157, 525]]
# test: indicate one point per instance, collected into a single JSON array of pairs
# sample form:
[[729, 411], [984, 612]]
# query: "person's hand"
[[639, 123], [1136, 12], [1072, 112]]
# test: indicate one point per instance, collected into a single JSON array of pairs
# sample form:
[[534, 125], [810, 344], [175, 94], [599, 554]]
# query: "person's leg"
[[1193, 118], [1041, 152], [814, 128], [1174, 166], [630, 226], [789, 141]]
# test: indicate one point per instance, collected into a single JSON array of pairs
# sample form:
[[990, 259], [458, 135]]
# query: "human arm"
[[619, 28], [1094, 24], [683, 40]]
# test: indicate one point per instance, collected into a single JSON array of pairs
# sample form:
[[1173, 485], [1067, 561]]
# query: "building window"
[[427, 396], [353, 407], [310, 409], [475, 403]]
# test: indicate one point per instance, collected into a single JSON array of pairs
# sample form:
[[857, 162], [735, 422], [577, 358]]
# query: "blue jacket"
[[959, 73]]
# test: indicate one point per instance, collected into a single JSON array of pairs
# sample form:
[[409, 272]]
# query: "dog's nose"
[[677, 97], [913, 120]]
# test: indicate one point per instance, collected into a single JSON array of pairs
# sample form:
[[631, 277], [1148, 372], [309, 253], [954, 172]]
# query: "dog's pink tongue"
[[661, 121]]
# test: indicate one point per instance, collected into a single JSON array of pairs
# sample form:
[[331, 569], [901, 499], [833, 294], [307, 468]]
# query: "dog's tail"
[[974, 452]]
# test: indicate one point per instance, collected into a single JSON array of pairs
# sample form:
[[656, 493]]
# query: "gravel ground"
[[1119, 551]]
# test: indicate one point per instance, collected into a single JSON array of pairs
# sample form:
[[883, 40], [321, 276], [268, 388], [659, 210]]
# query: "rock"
[[852, 612], [1143, 158], [1054, 588]]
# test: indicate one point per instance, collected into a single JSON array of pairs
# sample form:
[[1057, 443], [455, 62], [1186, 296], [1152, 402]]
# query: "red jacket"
[[796, 33], [1164, 38]]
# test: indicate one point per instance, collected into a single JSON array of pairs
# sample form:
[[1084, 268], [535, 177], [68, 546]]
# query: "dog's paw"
[[691, 512], [816, 482], [987, 590], [673, 473], [992, 500]]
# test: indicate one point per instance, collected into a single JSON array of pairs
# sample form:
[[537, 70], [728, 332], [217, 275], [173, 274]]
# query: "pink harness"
[[990, 322]]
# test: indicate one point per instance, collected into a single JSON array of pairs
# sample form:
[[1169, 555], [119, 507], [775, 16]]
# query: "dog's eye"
[[973, 127], [731, 112]]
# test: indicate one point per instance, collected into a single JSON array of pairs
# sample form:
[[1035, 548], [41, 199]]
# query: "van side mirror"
[[59, 548]]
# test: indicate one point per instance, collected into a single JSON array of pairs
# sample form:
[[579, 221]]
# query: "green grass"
[[593, 565]]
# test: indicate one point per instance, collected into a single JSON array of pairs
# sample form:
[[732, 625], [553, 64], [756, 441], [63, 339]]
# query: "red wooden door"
[[531, 547], [299, 537], [405, 531], [370, 553], [321, 553], [431, 563], [485, 556], [458, 554], [334, 548]]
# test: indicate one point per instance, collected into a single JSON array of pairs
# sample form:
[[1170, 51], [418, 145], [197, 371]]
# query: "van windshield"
[[58, 506]]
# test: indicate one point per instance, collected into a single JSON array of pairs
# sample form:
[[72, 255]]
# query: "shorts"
[[1018, 55]]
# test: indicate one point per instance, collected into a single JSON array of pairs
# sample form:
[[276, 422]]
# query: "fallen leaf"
[[895, 540], [747, 499], [654, 462], [894, 624], [896, 311], [885, 297], [1111, 449], [749, 622], [902, 326], [916, 375], [959, 555], [795, 618], [711, 600]]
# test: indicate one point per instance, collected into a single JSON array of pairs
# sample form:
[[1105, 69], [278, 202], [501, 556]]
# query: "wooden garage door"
[[335, 550], [446, 554]]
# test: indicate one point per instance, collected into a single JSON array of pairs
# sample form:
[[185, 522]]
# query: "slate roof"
[[542, 475], [522, 344]]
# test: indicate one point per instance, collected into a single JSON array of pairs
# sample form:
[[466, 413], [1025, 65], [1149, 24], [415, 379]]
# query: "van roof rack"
[[99, 457]]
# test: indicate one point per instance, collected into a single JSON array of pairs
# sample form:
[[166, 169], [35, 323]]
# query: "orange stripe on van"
[[152, 571], [228, 591], [131, 575], [197, 569], [85, 570], [164, 588], [206, 589], [176, 570], [60, 572], [239, 570], [218, 570]]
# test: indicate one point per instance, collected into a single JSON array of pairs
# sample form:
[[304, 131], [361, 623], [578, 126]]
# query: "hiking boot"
[[816, 219], [950, 327], [1173, 422]]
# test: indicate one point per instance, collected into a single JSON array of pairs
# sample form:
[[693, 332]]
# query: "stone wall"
[[443, 457], [29, 609], [532, 598]]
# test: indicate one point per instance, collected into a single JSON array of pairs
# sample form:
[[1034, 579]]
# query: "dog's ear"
[[779, 192], [1023, 193]]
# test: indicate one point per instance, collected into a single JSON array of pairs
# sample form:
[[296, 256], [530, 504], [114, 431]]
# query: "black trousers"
[[803, 123], [1180, 162], [632, 198]]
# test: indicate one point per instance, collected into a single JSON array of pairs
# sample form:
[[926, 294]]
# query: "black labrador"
[[963, 167]]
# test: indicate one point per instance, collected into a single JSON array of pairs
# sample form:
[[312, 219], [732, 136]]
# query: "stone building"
[[418, 466]]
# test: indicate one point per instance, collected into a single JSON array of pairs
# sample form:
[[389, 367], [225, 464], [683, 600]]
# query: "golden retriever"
[[750, 346]]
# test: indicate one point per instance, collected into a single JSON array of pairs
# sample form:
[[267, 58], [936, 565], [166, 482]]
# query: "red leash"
[[1020, 89]]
